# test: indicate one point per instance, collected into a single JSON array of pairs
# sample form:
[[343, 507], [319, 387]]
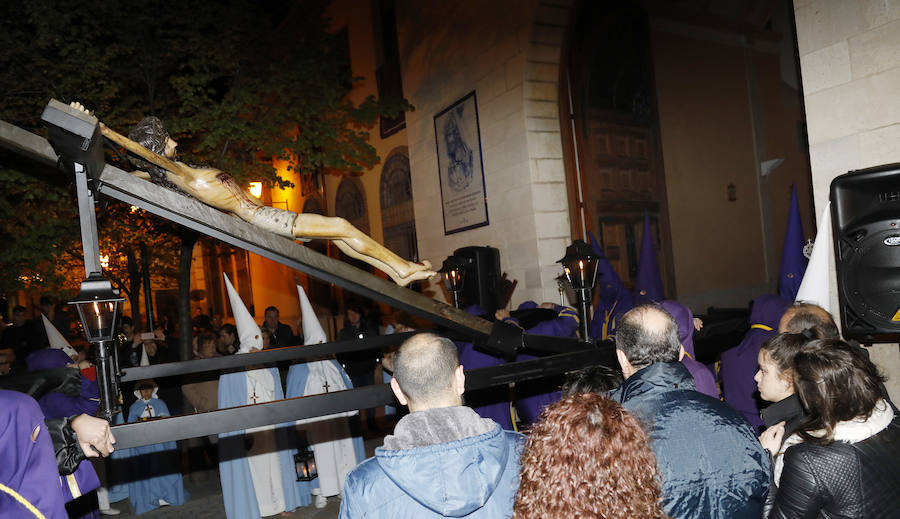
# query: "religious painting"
[[460, 168]]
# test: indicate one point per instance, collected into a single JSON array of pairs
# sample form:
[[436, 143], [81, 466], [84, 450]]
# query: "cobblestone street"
[[206, 499], [206, 503]]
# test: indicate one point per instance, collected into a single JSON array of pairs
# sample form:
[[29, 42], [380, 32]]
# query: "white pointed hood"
[[324, 375], [247, 329], [57, 341], [312, 328], [816, 284]]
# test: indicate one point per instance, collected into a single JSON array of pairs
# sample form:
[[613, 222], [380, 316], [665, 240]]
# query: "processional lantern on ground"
[[98, 309], [305, 465], [453, 271], [580, 268]]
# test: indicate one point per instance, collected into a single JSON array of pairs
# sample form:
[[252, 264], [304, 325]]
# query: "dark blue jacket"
[[472, 477], [711, 463]]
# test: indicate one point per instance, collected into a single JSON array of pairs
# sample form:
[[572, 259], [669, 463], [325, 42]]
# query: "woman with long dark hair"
[[847, 461], [588, 457]]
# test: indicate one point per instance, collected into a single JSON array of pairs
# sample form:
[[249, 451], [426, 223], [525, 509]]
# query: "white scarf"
[[850, 431]]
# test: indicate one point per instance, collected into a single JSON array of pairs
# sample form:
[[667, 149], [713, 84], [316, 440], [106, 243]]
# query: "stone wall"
[[511, 62], [850, 65]]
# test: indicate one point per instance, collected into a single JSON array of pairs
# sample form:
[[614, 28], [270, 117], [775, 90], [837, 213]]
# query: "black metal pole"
[[106, 380], [584, 310]]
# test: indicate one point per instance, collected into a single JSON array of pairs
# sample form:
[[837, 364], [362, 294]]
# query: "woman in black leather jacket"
[[848, 464]]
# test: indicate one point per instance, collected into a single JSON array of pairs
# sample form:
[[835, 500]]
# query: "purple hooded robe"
[[27, 467], [613, 299], [469, 358], [739, 364], [648, 285], [58, 405], [564, 325], [793, 262], [703, 377]]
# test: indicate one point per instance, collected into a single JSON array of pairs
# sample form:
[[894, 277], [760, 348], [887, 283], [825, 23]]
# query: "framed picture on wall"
[[460, 168]]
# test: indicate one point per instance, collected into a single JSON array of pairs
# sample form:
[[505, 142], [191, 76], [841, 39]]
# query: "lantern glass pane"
[[98, 318]]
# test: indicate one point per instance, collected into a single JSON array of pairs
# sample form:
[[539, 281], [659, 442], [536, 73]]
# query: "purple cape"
[[613, 299], [648, 286], [703, 377], [58, 405], [739, 364], [27, 467], [470, 359], [564, 325], [793, 262]]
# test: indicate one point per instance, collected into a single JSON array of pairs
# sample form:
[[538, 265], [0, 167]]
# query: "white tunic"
[[265, 465], [329, 438]]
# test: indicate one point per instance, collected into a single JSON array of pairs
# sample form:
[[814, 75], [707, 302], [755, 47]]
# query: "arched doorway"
[[397, 215]]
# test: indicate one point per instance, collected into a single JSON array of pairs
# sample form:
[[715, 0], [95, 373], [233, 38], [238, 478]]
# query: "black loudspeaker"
[[865, 213], [482, 282]]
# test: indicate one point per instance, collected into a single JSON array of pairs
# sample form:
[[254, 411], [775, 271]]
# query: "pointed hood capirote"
[[816, 284], [57, 341], [648, 285], [247, 329], [793, 263], [312, 328]]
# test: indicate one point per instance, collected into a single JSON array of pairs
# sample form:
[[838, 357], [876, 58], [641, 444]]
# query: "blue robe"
[[27, 467], [159, 461], [237, 483], [296, 386]]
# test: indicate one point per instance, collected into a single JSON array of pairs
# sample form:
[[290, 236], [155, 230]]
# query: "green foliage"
[[237, 82]]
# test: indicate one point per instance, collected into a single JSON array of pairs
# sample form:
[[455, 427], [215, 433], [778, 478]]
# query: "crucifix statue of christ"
[[151, 142], [325, 386]]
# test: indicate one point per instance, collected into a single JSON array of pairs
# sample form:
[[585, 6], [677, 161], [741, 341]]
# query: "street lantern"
[[305, 465], [453, 270], [98, 307], [580, 267]]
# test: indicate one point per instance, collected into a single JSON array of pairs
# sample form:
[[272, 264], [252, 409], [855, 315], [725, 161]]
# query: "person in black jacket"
[[711, 463], [775, 380], [280, 334], [845, 459]]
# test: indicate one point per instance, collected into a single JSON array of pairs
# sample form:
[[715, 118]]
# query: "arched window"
[[350, 204], [397, 215]]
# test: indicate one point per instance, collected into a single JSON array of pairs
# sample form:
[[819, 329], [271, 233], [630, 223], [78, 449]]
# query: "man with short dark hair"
[[443, 460], [280, 334], [711, 463], [802, 316]]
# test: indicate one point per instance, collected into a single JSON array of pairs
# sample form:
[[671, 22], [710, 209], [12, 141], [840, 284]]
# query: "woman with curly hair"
[[588, 457]]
